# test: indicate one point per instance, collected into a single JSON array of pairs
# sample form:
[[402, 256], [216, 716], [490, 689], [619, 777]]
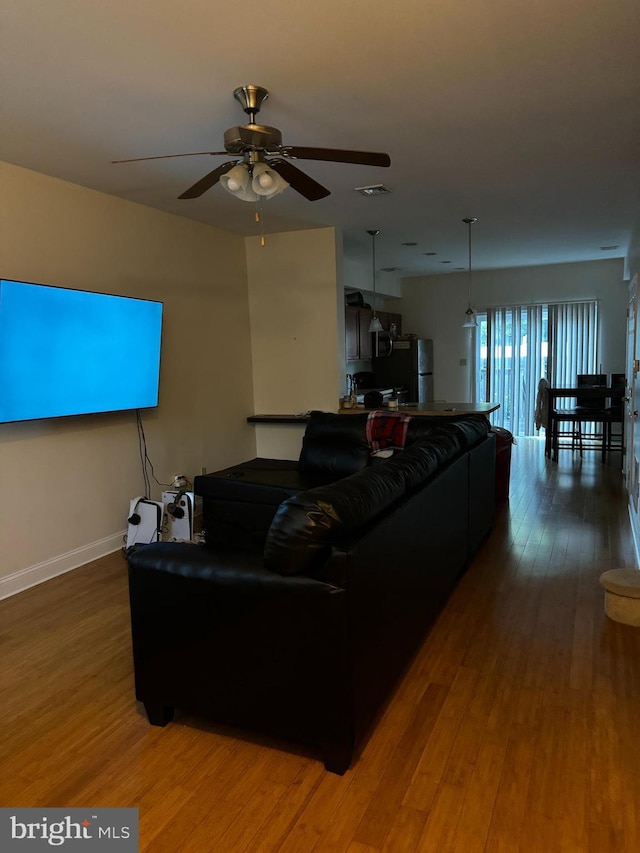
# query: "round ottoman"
[[622, 595]]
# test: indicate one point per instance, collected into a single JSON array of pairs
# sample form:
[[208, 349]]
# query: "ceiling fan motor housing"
[[251, 137]]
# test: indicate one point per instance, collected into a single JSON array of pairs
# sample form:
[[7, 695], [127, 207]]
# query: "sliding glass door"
[[517, 346]]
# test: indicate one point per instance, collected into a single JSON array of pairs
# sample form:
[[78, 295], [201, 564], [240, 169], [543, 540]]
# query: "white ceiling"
[[524, 114]]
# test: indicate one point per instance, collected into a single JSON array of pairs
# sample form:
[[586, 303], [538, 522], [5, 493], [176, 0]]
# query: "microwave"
[[382, 345]]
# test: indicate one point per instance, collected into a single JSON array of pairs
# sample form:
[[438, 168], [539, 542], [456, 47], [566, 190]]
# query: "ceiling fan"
[[265, 168]]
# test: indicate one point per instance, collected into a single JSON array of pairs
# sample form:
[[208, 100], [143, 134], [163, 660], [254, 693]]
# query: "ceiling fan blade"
[[169, 156], [337, 155], [207, 182], [300, 182]]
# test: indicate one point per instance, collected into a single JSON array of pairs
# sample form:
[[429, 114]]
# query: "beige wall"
[[434, 306], [295, 289], [71, 479]]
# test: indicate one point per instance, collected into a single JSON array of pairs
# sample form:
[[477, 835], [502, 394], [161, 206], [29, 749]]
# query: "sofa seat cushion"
[[306, 526], [239, 502], [255, 478]]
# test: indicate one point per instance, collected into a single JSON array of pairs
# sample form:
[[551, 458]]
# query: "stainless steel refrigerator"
[[410, 365]]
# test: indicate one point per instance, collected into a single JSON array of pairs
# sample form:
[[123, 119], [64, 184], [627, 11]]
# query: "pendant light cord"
[[374, 233], [375, 301], [469, 221], [470, 314], [469, 267]]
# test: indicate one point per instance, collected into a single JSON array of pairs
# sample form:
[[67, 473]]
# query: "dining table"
[[600, 407]]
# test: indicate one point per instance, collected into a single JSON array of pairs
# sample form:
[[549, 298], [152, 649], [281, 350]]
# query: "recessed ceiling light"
[[390, 269], [445, 262], [428, 254], [408, 244], [608, 248], [374, 189]]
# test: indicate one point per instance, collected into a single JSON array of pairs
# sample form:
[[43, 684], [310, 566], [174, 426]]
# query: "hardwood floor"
[[517, 727]]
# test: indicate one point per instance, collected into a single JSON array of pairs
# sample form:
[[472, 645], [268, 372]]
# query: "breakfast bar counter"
[[442, 409], [302, 418]]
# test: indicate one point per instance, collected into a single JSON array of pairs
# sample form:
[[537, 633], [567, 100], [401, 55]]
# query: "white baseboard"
[[41, 572]]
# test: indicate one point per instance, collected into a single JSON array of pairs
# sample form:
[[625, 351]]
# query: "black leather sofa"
[[300, 630]]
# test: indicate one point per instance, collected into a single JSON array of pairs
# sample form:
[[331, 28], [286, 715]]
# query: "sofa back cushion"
[[470, 429], [334, 446], [307, 525]]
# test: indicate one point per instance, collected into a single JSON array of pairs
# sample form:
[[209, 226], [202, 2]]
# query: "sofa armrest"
[[217, 634], [482, 467]]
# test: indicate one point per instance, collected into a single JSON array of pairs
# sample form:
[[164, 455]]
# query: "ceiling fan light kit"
[[267, 182], [266, 162], [252, 182], [237, 181]]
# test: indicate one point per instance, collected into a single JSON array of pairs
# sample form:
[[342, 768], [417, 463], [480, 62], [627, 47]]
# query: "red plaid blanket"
[[386, 430]]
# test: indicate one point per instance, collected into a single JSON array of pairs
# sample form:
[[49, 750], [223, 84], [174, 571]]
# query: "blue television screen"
[[73, 352]]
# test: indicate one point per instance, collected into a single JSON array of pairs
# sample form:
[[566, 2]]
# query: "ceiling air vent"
[[374, 189]]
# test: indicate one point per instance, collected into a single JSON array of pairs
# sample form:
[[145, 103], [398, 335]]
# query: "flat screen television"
[[75, 352]]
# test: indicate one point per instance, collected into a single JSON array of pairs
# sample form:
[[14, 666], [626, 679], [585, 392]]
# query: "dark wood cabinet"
[[357, 336], [358, 344], [352, 344], [364, 335]]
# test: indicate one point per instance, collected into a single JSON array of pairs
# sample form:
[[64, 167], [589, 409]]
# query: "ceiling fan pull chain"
[[260, 219]]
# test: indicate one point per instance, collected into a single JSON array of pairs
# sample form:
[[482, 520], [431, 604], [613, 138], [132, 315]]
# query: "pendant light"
[[470, 321], [375, 325]]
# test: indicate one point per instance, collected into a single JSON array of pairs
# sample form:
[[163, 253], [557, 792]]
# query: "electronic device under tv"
[[75, 352]]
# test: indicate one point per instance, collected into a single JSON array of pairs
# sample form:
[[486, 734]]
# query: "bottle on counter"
[[353, 397]]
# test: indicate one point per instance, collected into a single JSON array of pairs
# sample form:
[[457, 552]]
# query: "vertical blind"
[[573, 339], [519, 345]]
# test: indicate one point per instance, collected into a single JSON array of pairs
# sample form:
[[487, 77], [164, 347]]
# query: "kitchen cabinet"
[[358, 346], [357, 335], [352, 344]]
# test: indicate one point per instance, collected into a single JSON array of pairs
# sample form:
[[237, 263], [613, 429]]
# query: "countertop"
[[433, 409], [301, 418]]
